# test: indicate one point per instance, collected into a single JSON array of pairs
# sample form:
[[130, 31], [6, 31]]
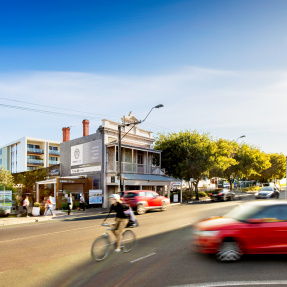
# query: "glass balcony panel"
[[35, 161], [54, 152], [35, 150], [53, 162]]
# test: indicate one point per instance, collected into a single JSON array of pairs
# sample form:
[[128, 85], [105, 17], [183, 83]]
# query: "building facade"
[[91, 162], [29, 153]]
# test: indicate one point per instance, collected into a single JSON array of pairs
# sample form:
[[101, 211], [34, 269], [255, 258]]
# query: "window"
[[276, 212], [53, 148], [148, 194], [0, 151], [0, 161]]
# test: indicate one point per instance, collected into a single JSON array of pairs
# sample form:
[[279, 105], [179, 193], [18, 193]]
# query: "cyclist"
[[121, 219]]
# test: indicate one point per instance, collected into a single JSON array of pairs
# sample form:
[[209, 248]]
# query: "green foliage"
[[277, 168], [36, 204], [29, 178], [187, 154], [5, 177]]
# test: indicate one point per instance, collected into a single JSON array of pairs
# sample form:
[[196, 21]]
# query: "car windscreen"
[[266, 188], [243, 212]]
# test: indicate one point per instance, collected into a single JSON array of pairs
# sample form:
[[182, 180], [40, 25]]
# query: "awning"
[[148, 177]]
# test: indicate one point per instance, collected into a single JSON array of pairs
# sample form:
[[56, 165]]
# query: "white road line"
[[185, 224], [236, 283], [133, 261], [44, 234]]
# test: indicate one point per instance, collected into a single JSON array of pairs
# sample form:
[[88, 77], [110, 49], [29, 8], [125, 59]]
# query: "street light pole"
[[120, 143], [240, 138]]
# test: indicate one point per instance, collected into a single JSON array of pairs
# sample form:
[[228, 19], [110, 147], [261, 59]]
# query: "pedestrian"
[[82, 202], [26, 204], [70, 203], [49, 205]]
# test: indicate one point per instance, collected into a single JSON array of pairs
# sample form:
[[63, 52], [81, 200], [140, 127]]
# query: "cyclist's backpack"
[[125, 207]]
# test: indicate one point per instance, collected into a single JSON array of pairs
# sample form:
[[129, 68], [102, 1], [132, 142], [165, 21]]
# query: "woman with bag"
[[70, 203], [49, 205]]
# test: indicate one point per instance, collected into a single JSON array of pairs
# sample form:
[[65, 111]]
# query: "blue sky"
[[217, 66]]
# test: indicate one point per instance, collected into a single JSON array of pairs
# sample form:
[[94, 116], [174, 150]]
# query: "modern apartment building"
[[29, 153]]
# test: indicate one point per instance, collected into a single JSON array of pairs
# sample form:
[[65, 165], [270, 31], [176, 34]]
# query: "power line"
[[53, 107]]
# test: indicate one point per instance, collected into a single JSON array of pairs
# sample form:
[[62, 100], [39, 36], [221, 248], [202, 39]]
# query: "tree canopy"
[[189, 154]]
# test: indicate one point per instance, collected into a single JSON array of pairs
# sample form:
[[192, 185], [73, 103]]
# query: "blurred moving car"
[[267, 192], [258, 227], [222, 194], [143, 200]]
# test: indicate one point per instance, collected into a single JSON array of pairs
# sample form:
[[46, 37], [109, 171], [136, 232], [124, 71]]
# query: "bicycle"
[[103, 244]]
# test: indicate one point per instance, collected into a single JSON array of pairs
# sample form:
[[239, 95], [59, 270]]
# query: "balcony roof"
[[135, 147], [148, 177]]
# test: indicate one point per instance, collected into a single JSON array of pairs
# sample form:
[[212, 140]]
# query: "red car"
[[143, 200], [250, 228]]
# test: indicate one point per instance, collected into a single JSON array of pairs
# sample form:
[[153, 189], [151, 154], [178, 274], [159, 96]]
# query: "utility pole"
[[120, 144]]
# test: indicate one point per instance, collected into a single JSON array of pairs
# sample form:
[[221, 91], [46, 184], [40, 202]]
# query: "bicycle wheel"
[[128, 240], [100, 248]]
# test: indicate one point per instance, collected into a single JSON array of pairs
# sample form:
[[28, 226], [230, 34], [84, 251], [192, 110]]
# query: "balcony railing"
[[53, 162], [35, 150], [128, 167], [54, 152], [35, 161]]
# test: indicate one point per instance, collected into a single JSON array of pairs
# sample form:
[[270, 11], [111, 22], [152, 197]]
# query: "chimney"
[[66, 134], [86, 127]]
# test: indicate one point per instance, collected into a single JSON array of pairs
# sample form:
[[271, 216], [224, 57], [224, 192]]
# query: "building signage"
[[86, 157], [6, 198], [95, 196]]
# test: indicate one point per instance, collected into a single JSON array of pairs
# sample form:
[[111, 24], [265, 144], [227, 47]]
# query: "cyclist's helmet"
[[115, 196]]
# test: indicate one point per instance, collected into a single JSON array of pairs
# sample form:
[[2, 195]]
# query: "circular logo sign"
[[77, 153]]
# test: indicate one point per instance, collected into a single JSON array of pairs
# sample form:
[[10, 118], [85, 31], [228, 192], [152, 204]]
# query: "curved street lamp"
[[240, 138], [120, 141]]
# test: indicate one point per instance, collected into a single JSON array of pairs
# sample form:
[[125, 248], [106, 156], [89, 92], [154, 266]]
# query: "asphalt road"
[[58, 254]]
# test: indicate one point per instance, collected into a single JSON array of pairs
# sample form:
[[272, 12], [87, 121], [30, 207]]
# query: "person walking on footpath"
[[70, 203], [49, 205], [26, 204], [82, 203]]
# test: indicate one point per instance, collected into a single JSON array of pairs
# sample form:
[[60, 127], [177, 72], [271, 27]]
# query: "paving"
[[59, 214]]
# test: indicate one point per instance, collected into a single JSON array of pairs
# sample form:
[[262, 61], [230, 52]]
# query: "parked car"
[[226, 185], [258, 227], [267, 192], [143, 200], [222, 194]]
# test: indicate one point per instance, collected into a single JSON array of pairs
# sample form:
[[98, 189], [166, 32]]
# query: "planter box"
[[36, 211]]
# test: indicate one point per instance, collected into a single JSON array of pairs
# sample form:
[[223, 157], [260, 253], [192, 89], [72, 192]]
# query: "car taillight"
[[210, 194], [220, 193]]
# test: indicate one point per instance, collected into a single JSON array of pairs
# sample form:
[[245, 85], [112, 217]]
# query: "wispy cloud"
[[222, 102]]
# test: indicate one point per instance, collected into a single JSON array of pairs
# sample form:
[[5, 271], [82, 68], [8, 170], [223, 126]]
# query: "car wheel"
[[163, 206], [229, 251], [141, 209]]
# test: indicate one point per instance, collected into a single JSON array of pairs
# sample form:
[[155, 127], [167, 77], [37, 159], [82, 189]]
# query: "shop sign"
[[95, 196], [6, 198]]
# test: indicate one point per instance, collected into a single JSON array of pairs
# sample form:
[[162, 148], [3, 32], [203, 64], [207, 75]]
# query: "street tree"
[[226, 164], [29, 178], [251, 161], [187, 154], [277, 168], [6, 177]]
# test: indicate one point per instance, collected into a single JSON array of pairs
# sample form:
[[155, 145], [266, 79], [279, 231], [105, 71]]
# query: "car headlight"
[[206, 233], [256, 193]]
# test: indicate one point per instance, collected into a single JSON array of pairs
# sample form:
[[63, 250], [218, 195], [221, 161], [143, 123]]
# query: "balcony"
[[54, 152], [35, 150], [34, 161], [128, 167], [53, 162]]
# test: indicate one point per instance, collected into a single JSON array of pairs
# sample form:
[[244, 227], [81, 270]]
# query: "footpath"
[[59, 214]]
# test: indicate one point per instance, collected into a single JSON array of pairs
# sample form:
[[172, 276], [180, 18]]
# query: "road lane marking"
[[235, 283], [133, 261], [185, 224], [51, 233]]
